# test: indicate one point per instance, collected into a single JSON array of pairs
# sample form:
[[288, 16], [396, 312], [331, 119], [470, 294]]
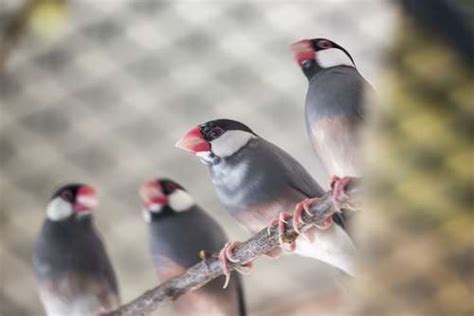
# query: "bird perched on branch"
[[257, 181], [75, 276], [179, 231], [334, 107]]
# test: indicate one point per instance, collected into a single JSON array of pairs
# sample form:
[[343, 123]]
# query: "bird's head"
[[215, 140], [164, 197], [322, 51], [72, 200]]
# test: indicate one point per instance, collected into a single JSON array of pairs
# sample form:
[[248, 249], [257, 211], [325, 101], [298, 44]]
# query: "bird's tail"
[[332, 246], [241, 298]]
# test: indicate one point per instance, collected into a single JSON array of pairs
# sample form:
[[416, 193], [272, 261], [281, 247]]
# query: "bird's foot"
[[274, 253], [302, 207], [282, 223], [228, 261], [339, 193]]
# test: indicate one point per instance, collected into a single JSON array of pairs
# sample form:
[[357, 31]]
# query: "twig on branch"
[[210, 268]]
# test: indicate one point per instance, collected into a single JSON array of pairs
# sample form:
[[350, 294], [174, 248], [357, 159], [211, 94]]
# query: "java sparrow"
[[74, 274], [256, 181], [179, 230], [334, 107]]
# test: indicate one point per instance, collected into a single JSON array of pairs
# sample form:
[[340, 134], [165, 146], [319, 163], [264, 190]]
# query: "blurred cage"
[[99, 92]]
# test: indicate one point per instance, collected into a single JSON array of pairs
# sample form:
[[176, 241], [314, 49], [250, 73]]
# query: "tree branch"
[[210, 268]]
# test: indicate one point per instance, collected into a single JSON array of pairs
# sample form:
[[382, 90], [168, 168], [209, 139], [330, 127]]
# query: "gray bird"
[[74, 274], [257, 181], [179, 230], [334, 107]]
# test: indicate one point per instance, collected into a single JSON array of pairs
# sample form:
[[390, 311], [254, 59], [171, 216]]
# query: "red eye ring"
[[215, 133], [171, 187], [325, 44]]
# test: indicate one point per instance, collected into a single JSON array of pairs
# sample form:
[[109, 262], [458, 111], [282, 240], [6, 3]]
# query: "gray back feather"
[[259, 173], [72, 245], [181, 236], [336, 91]]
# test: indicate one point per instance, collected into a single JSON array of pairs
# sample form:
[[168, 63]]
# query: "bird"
[[257, 182], [334, 108], [180, 232], [73, 271]]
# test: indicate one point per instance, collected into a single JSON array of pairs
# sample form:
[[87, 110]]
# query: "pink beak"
[[193, 141], [302, 51], [152, 194], [86, 199]]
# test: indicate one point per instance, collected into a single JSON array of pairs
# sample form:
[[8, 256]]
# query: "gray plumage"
[[73, 270], [261, 174], [175, 241], [256, 180], [334, 112]]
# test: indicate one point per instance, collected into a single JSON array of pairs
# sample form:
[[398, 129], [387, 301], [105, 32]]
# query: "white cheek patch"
[[230, 142], [180, 200], [58, 209], [332, 57]]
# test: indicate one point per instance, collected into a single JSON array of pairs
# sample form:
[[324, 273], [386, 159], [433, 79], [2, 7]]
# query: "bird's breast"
[[232, 185]]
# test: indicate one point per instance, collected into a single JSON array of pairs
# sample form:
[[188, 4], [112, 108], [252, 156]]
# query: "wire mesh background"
[[105, 101]]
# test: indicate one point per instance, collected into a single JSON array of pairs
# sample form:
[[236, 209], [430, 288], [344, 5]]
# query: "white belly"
[[85, 305]]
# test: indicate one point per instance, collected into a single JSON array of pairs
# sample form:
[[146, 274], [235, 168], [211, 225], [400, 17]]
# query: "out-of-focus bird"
[[334, 107], [179, 230], [75, 276], [256, 181], [417, 244]]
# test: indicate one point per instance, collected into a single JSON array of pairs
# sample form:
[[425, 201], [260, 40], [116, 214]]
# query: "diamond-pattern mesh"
[[105, 97]]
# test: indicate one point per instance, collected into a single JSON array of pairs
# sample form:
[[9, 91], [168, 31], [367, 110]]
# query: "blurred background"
[[100, 91]]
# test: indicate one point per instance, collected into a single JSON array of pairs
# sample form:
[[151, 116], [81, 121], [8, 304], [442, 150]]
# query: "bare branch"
[[210, 268]]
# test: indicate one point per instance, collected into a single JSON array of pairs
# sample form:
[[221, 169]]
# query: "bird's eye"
[[67, 195], [324, 44], [214, 133], [170, 187]]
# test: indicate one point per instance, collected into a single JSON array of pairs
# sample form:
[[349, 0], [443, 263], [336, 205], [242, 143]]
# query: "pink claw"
[[326, 224], [270, 226], [275, 253], [302, 207], [339, 186], [226, 258]]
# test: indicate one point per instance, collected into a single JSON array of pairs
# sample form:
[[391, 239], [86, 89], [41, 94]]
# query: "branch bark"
[[210, 268]]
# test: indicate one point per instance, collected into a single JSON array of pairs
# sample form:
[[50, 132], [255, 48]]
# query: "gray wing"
[[106, 270], [72, 266], [299, 179], [295, 174], [175, 245], [336, 91], [179, 238], [334, 113]]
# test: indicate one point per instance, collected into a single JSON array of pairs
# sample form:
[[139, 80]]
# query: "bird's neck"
[[311, 68], [67, 232], [71, 221]]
